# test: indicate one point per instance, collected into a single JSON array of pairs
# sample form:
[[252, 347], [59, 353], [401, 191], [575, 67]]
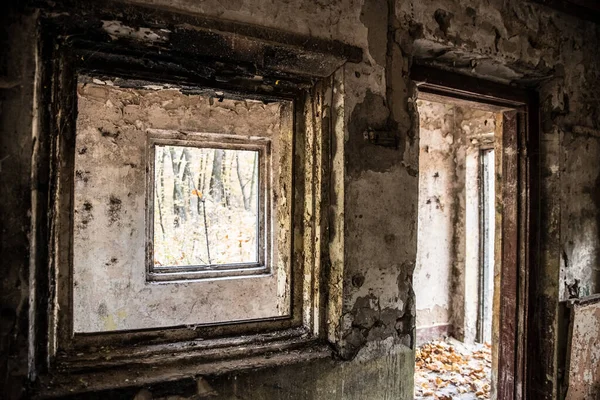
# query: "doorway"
[[454, 273], [473, 247]]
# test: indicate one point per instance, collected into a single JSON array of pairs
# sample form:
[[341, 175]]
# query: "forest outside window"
[[201, 179], [208, 208]]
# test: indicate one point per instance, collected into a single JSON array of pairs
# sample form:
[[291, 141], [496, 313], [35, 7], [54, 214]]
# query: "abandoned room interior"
[[252, 199]]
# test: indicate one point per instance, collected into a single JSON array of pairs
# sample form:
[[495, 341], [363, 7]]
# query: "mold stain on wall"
[[512, 41], [110, 234]]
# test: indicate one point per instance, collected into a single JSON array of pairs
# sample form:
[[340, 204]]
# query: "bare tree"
[[253, 180], [217, 191], [247, 193]]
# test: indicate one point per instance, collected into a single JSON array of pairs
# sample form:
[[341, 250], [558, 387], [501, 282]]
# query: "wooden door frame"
[[519, 346]]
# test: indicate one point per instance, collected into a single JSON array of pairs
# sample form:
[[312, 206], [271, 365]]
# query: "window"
[[209, 207], [114, 288], [175, 199]]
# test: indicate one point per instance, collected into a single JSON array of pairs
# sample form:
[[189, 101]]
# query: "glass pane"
[[205, 206], [488, 208]]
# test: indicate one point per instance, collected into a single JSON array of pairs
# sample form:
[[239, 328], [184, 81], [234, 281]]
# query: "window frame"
[[213, 271], [223, 347], [67, 342], [293, 67]]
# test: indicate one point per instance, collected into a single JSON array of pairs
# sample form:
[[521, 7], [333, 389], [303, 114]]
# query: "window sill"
[[173, 362], [185, 274]]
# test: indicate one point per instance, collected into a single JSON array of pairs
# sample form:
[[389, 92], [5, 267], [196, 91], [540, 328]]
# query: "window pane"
[[205, 206]]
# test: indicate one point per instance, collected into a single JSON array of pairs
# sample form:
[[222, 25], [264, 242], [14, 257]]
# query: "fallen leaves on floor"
[[446, 371]]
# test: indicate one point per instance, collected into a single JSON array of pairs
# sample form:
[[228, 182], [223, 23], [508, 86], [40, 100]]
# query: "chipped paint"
[[513, 41], [109, 202]]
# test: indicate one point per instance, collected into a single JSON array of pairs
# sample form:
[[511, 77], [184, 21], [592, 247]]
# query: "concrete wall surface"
[[510, 41], [446, 275]]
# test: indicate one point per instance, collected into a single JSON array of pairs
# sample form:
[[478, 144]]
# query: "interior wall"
[[109, 239], [446, 277], [508, 40], [439, 208]]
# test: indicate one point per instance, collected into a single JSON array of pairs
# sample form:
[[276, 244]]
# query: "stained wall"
[[508, 41], [446, 276], [111, 290], [438, 209]]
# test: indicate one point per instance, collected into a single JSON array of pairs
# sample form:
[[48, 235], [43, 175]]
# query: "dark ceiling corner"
[[585, 9]]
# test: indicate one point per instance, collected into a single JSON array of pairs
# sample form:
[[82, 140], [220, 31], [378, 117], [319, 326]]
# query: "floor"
[[450, 370]]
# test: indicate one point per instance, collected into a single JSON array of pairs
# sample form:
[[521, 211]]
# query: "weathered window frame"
[[222, 141], [75, 352], [302, 69], [62, 329]]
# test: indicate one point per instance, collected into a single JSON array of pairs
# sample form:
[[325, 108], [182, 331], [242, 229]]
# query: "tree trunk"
[[178, 199], [245, 198], [217, 190], [253, 180]]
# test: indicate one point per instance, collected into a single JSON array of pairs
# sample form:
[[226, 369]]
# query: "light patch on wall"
[[111, 290]]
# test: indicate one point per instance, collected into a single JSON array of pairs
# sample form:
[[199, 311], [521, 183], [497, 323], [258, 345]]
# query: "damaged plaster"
[[447, 272], [111, 289], [498, 40]]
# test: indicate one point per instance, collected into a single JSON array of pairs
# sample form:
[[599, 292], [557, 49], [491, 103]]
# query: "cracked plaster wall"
[[446, 276], [496, 39], [439, 206], [109, 209]]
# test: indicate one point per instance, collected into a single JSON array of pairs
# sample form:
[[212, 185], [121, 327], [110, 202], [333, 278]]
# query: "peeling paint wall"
[[508, 40], [439, 204], [111, 290], [446, 278]]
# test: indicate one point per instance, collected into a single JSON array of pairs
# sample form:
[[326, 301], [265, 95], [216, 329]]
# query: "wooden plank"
[[466, 87], [583, 368], [509, 265]]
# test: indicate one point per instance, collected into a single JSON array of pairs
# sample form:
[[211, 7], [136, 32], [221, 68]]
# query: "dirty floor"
[[451, 370]]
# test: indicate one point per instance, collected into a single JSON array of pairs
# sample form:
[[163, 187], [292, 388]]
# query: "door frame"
[[520, 342]]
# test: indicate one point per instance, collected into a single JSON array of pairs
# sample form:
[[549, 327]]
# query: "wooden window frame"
[[518, 347], [483, 208], [262, 266]]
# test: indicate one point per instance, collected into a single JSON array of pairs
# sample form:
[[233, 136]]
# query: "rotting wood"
[[509, 266], [52, 386], [114, 355]]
